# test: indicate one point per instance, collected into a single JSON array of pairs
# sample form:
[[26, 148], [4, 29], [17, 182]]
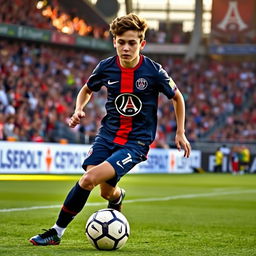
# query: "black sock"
[[73, 204]]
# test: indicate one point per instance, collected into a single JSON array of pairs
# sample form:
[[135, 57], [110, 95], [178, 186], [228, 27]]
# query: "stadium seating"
[[37, 95], [38, 85], [23, 12]]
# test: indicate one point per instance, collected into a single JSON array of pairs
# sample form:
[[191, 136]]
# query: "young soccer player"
[[133, 82]]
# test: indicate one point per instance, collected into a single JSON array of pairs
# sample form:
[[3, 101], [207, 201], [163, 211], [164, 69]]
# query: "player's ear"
[[142, 44]]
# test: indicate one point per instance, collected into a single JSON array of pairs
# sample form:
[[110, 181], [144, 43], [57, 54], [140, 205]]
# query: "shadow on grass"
[[68, 249]]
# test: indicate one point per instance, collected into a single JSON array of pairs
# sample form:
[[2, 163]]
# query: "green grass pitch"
[[185, 215]]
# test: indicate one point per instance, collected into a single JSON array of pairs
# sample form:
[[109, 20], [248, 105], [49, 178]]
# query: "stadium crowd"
[[238, 127], [23, 12], [38, 84], [164, 36], [216, 91], [37, 88]]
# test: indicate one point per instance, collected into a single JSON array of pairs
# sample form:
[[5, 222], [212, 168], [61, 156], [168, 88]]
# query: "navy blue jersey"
[[132, 99]]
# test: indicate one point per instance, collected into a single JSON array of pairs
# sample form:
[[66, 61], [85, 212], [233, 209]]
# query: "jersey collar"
[[129, 69]]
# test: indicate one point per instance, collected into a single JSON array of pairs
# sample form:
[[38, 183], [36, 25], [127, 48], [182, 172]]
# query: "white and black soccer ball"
[[107, 229]]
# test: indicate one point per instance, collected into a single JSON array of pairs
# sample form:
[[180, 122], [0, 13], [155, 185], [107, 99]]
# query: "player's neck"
[[129, 64]]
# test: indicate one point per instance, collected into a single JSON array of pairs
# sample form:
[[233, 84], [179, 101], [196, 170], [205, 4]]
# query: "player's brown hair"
[[130, 21]]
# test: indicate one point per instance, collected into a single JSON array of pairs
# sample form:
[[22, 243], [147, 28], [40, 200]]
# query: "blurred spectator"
[[245, 156], [240, 159], [9, 128], [226, 153], [234, 157], [218, 160]]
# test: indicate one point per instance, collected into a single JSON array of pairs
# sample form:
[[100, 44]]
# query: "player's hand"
[[75, 119], [182, 143]]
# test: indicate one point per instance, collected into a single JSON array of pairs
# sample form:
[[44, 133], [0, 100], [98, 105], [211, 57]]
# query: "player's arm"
[[82, 99], [180, 138]]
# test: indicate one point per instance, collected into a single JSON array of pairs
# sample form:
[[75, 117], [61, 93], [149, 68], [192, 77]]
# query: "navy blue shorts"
[[122, 158]]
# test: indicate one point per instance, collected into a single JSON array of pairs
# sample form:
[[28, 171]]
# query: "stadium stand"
[[38, 84], [214, 92], [238, 128], [162, 36], [50, 16], [23, 12], [38, 93]]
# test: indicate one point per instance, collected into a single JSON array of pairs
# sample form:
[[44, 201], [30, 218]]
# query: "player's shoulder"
[[107, 62], [104, 64], [155, 66]]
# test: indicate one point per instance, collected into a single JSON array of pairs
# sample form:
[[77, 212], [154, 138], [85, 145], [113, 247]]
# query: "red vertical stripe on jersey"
[[127, 81]]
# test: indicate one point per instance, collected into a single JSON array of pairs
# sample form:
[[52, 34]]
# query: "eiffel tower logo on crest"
[[232, 17], [129, 104]]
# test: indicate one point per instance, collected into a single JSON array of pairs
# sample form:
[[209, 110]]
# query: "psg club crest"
[[128, 104], [141, 84]]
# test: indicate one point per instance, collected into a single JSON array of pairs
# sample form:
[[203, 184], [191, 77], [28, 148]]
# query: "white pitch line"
[[153, 199]]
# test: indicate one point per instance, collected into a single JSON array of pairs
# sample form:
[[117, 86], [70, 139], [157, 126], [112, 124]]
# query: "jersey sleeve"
[[94, 82], [165, 84]]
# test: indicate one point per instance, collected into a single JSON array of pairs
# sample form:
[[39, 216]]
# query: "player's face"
[[128, 46]]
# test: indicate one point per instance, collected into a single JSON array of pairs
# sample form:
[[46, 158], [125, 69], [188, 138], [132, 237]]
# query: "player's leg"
[[75, 202], [109, 192], [79, 194], [114, 194], [97, 175], [122, 160], [97, 171]]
